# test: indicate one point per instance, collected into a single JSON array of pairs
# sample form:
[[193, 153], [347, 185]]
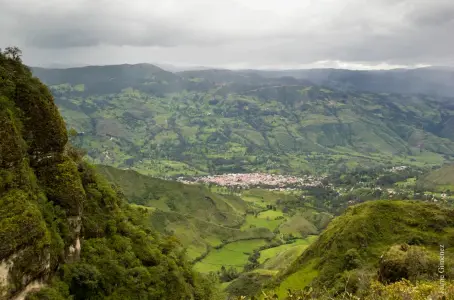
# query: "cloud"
[[233, 32]]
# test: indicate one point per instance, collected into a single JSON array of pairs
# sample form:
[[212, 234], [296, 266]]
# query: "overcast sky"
[[232, 33]]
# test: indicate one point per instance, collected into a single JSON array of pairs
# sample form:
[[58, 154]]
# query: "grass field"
[[441, 179], [297, 280], [271, 214], [298, 225], [263, 197], [301, 244], [260, 222], [232, 255]]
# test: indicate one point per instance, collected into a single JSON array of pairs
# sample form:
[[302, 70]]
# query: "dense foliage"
[[62, 224], [123, 258]]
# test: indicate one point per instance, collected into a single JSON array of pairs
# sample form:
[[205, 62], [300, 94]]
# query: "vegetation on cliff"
[[61, 224]]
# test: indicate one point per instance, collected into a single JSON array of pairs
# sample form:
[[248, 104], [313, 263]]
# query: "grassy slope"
[[204, 219], [371, 228], [279, 258], [173, 196], [231, 255], [199, 218], [442, 179]]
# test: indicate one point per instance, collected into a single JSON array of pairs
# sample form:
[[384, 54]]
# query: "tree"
[[226, 275], [72, 133], [13, 53]]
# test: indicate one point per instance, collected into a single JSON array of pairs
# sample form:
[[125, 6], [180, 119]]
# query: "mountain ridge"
[[425, 80], [274, 124]]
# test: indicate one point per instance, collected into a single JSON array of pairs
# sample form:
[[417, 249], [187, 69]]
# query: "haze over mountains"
[[429, 80], [294, 121]]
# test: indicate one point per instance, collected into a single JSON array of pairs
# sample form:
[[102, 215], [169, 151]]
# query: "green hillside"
[[441, 179], [200, 122], [189, 200], [64, 232], [379, 240], [199, 218], [222, 230]]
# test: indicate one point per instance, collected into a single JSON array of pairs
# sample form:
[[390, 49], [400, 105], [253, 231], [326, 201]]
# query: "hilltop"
[[378, 240], [221, 121]]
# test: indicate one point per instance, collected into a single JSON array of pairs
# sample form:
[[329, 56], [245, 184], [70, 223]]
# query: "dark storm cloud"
[[234, 32], [82, 23]]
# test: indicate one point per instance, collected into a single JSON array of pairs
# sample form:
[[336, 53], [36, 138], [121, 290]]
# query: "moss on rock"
[[21, 223], [62, 184], [11, 143]]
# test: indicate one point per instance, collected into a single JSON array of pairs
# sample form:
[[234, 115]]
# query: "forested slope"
[[63, 229]]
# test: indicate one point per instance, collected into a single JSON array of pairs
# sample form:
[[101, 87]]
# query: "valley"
[[269, 220], [138, 183], [221, 228]]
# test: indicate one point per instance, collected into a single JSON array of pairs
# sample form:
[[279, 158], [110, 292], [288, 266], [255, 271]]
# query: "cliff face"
[[36, 173], [64, 232]]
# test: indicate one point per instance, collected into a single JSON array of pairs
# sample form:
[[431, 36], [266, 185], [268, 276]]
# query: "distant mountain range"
[[215, 121], [437, 81]]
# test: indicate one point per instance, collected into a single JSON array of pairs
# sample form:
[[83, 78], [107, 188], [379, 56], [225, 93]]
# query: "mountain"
[[64, 232], [378, 240], [218, 121], [112, 79], [179, 68], [434, 81]]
